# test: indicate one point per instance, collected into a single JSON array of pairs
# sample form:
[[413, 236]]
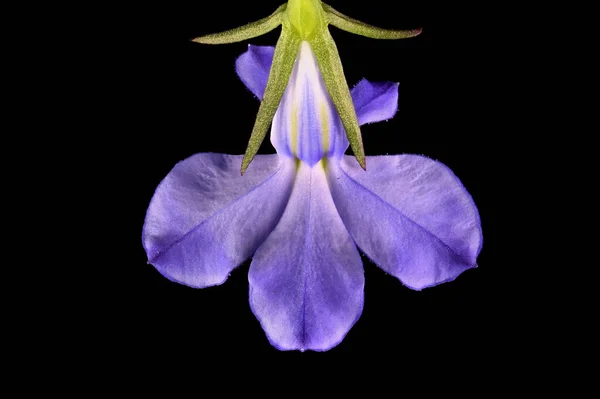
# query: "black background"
[[176, 98]]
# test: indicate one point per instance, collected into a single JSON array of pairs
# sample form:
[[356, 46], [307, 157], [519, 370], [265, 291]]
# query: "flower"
[[301, 213]]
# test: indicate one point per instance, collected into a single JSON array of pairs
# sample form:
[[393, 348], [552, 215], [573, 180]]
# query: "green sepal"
[[249, 31], [333, 74], [285, 55], [357, 27]]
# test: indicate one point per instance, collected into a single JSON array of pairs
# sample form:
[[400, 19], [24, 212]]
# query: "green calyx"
[[305, 20]]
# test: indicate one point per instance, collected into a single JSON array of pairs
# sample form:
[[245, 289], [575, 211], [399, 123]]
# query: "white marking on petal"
[[305, 123]]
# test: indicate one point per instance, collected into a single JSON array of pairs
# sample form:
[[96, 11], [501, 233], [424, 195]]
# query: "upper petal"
[[306, 279], [205, 219], [253, 68], [373, 101], [410, 215]]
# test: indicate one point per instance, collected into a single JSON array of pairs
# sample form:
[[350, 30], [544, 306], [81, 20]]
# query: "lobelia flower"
[[301, 213]]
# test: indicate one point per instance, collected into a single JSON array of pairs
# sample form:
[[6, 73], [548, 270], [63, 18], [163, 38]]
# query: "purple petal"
[[205, 218], [253, 68], [410, 215], [306, 279], [375, 101]]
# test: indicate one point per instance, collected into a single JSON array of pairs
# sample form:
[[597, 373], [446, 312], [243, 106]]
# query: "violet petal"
[[307, 279], [375, 101], [253, 68], [205, 219], [410, 215]]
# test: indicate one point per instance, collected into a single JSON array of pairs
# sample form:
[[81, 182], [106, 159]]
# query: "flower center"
[[306, 124]]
